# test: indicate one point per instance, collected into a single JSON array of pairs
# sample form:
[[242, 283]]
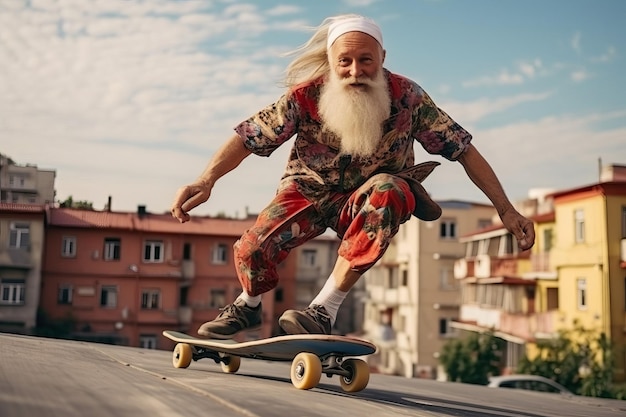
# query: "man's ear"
[[384, 55]]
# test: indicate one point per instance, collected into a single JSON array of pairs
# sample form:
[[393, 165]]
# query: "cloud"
[[580, 75], [557, 152], [608, 56], [525, 70], [127, 89], [474, 111]]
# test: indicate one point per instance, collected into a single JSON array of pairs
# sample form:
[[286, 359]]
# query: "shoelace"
[[317, 313], [230, 309]]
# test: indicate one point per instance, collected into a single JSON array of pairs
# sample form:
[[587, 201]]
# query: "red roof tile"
[[158, 223], [22, 208]]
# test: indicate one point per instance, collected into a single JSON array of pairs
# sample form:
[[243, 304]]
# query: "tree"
[[474, 359], [579, 359], [80, 205]]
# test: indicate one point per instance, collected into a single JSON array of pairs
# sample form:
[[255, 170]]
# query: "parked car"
[[528, 382]]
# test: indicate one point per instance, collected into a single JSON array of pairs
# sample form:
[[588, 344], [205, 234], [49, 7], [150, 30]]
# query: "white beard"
[[355, 115]]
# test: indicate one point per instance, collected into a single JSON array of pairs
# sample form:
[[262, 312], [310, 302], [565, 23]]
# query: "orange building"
[[125, 277]]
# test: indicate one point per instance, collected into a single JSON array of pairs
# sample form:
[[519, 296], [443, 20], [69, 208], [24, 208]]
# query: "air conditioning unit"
[[482, 266], [460, 268], [95, 254]]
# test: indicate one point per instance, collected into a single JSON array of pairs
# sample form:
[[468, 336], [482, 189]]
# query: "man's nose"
[[356, 70]]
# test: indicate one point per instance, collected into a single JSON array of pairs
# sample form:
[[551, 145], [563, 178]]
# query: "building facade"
[[574, 275], [125, 277], [21, 251], [25, 184], [411, 293]]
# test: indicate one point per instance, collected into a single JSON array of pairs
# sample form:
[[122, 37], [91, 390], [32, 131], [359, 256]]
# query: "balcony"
[[485, 266], [188, 270], [540, 262], [390, 297], [524, 326], [185, 315]]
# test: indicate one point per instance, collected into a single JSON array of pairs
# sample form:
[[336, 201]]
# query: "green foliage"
[[472, 360], [80, 205], [579, 359]]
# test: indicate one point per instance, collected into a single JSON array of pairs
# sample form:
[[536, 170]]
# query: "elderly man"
[[351, 169]]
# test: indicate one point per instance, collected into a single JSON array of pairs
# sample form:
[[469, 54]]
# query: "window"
[[579, 226], [187, 251], [446, 278], [548, 237], [68, 249], [153, 251], [12, 291], [581, 290], [150, 299], [17, 181], [278, 295], [19, 236], [405, 278], [108, 297], [309, 257], [65, 294], [447, 229], [183, 298], [217, 298], [148, 341], [219, 254], [507, 245], [445, 330], [112, 248]]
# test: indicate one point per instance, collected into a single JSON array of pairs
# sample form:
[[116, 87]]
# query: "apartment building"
[[411, 293], [25, 184], [24, 190], [575, 273], [316, 260], [21, 251], [125, 277]]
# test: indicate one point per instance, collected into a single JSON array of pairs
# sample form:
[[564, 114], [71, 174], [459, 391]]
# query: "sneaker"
[[313, 320], [233, 319]]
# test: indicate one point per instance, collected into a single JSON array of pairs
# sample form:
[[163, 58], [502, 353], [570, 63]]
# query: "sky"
[[131, 98]]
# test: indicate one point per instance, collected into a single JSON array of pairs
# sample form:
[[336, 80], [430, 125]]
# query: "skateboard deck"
[[310, 356]]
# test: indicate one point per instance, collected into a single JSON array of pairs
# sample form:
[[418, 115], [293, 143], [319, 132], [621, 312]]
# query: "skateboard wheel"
[[182, 355], [306, 371], [359, 375], [230, 364]]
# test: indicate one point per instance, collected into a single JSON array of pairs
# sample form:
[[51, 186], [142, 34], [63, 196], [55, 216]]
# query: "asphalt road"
[[47, 377]]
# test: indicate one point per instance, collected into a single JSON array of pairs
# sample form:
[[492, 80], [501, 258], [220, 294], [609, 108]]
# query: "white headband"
[[353, 24]]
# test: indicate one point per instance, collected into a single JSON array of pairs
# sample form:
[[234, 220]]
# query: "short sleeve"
[[437, 132], [265, 131]]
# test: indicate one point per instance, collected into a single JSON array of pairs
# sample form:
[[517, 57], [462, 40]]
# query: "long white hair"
[[311, 58]]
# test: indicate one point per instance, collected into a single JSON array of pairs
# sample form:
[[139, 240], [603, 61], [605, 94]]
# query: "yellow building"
[[575, 273], [589, 255]]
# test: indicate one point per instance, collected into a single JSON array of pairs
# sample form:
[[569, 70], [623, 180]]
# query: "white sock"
[[331, 298], [250, 300]]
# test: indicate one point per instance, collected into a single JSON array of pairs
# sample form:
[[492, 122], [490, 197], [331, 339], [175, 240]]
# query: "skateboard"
[[310, 356]]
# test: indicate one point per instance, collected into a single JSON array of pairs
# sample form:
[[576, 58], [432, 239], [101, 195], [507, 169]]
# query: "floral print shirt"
[[316, 164]]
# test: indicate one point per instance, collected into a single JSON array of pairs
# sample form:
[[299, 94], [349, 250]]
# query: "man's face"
[[356, 56], [354, 101]]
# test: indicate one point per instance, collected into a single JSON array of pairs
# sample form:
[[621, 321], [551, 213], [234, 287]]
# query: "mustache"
[[357, 80]]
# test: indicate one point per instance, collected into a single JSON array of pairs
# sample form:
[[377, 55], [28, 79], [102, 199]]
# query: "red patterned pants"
[[366, 220]]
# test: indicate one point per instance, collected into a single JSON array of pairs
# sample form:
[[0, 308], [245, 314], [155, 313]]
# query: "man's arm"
[[481, 174], [227, 158]]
